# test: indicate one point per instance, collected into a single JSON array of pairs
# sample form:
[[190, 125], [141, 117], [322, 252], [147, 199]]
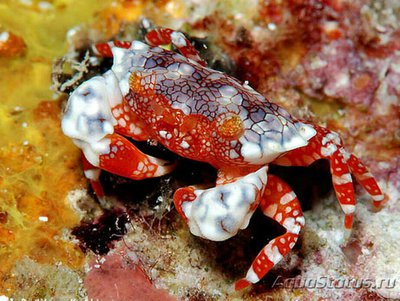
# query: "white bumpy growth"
[[88, 118], [219, 213]]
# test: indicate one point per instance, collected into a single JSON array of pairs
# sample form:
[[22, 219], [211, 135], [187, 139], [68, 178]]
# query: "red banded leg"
[[123, 159], [127, 160], [155, 37], [104, 49], [280, 203], [166, 36], [327, 145], [366, 179], [343, 185], [92, 173]]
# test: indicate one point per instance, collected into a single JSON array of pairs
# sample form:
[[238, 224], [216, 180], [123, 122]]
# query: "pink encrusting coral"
[[338, 71], [119, 276]]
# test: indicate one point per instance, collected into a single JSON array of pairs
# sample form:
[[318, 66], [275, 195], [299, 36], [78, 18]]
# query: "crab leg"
[[104, 49], [125, 159], [280, 203], [155, 37], [132, 128], [165, 36], [327, 145], [343, 185], [92, 173], [366, 179]]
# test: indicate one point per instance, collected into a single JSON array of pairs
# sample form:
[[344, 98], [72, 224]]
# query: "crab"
[[171, 97]]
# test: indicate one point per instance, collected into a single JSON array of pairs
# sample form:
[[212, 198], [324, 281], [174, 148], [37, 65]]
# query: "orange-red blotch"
[[230, 127], [135, 83], [11, 45], [194, 122]]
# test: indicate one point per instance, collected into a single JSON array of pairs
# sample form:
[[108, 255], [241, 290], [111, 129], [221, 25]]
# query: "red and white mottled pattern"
[[205, 115]]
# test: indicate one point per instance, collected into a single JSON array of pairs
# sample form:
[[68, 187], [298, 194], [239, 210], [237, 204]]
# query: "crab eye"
[[230, 126]]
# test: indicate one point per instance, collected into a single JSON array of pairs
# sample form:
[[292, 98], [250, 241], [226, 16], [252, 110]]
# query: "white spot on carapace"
[[233, 154], [227, 91], [165, 134], [251, 152], [122, 122], [172, 75], [184, 144], [185, 69], [306, 131], [237, 99], [259, 148]]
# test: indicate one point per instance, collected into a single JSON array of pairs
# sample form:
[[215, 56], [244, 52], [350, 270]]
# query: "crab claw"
[[220, 212]]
